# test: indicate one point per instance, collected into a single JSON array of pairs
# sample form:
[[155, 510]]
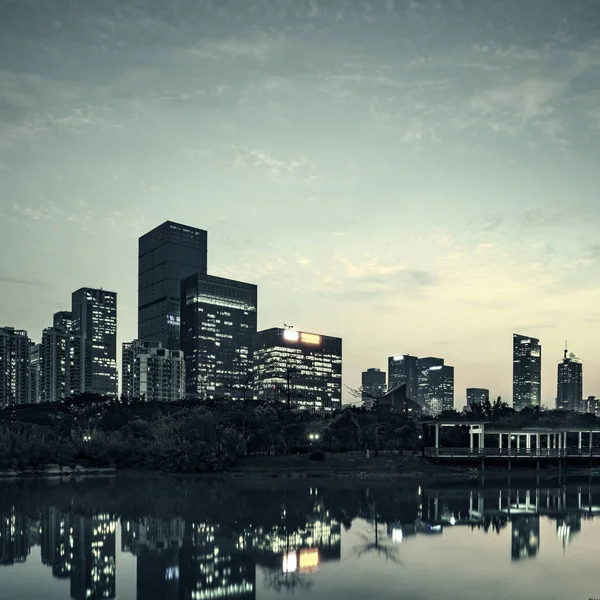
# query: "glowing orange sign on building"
[[308, 560], [310, 338]]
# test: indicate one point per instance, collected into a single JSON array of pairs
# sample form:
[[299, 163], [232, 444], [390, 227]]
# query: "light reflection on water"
[[191, 539]]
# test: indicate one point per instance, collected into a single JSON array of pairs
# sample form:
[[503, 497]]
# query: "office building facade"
[[436, 385], [14, 366], [591, 405], [167, 255], [373, 386], [477, 396], [218, 324], [93, 351], [404, 370], [569, 386], [35, 351], [527, 371], [300, 369], [55, 382], [151, 372]]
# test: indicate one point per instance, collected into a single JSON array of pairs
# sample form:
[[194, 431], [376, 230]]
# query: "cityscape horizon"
[[349, 392]]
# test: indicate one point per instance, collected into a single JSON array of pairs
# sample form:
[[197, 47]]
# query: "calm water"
[[166, 539]]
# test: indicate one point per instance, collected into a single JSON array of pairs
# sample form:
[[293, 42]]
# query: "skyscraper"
[[167, 254], [436, 385], [300, 369], [527, 371], [34, 372], [477, 396], [94, 315], [373, 385], [591, 405], [218, 323], [14, 366], [404, 369], [569, 394], [152, 372], [54, 364]]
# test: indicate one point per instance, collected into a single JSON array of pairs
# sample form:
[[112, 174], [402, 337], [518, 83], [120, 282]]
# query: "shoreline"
[[335, 469]]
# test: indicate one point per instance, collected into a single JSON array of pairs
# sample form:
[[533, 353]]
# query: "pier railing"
[[570, 452]]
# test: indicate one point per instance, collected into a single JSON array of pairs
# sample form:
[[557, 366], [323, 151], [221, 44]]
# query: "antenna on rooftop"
[[288, 326]]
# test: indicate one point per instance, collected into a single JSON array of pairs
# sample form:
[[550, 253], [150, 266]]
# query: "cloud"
[[526, 99], [278, 169], [233, 48], [20, 281], [372, 279]]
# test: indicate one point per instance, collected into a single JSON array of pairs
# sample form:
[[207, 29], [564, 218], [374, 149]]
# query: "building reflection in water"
[[215, 553], [14, 538]]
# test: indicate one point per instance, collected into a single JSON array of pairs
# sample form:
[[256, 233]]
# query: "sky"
[[414, 176]]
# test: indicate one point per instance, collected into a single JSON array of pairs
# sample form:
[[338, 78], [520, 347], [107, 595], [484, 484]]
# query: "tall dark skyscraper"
[[569, 393], [167, 254], [404, 369], [373, 385], [218, 324], [14, 366], [94, 315], [527, 371], [299, 368]]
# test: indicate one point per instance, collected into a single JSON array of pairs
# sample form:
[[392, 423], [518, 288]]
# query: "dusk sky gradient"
[[415, 176]]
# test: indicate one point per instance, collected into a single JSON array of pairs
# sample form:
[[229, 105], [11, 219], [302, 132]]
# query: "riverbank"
[[343, 467], [56, 471], [394, 469]]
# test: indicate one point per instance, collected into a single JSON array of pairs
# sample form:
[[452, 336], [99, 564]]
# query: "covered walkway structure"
[[450, 440]]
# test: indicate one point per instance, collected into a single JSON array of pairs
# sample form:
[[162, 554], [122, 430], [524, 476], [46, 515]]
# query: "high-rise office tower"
[[167, 254], [373, 385], [54, 364], [436, 385], [14, 366], [404, 369], [569, 394], [300, 369], [218, 323], [591, 405], [477, 396], [94, 315], [527, 371], [152, 372], [34, 373]]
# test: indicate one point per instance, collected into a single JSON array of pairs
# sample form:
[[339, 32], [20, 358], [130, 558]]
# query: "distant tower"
[[477, 396], [94, 323], [569, 390], [404, 369], [14, 363], [527, 371], [373, 385]]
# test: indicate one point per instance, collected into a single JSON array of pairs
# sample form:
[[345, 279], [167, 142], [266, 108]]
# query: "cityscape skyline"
[[426, 166], [165, 333]]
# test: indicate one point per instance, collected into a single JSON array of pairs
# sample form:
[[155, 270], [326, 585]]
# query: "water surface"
[[153, 538]]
